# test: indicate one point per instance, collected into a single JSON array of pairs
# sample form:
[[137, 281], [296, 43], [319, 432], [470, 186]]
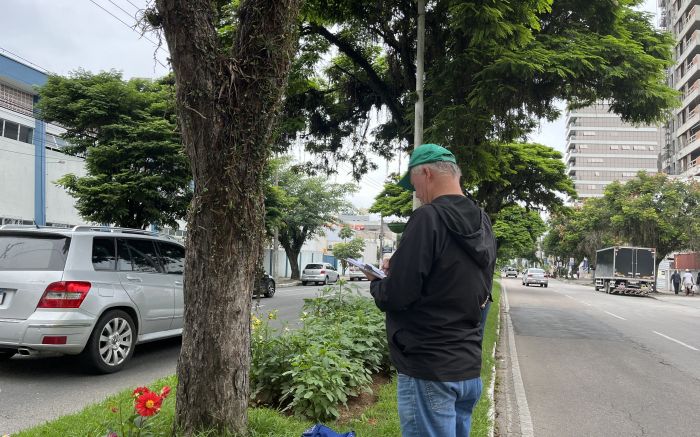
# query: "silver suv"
[[96, 292]]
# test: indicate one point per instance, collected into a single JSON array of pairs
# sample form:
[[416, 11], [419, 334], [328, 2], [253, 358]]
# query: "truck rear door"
[[624, 262], [644, 268]]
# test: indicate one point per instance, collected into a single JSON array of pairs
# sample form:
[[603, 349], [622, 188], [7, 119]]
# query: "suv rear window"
[[314, 266], [103, 254], [21, 252]]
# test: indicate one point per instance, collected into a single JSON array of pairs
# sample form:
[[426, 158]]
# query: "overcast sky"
[[61, 36]]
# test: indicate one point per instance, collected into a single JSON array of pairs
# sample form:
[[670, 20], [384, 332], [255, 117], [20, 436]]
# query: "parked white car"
[[319, 273], [93, 292]]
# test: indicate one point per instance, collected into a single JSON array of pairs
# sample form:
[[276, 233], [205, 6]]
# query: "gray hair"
[[442, 167]]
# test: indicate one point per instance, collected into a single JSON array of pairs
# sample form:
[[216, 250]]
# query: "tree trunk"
[[227, 104], [293, 257]]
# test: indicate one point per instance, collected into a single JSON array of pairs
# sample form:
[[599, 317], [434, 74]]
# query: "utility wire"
[[123, 10], [35, 155], [137, 7], [158, 47]]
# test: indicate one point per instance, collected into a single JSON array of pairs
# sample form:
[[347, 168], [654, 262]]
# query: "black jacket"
[[438, 278]]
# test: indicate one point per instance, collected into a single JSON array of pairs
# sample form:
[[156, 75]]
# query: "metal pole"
[[420, 78], [275, 241]]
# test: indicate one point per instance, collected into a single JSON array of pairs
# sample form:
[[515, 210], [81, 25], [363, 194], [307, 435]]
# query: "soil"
[[358, 404]]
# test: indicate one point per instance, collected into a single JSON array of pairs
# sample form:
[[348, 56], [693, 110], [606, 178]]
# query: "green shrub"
[[312, 370]]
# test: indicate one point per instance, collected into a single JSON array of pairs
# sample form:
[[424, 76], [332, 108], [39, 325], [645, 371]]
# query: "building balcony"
[[689, 147], [691, 73], [692, 170], [690, 121], [690, 22], [690, 97], [690, 48], [685, 6]]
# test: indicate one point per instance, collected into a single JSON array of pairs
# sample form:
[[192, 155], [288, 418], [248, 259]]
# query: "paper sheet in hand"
[[369, 268]]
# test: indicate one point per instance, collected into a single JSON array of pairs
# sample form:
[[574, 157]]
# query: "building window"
[[11, 130], [588, 133], [597, 173], [625, 147], [26, 134], [591, 187], [614, 147], [595, 160], [640, 148], [583, 146]]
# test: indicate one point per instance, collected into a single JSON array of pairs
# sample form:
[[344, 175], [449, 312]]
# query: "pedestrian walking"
[[676, 281], [688, 282], [439, 278]]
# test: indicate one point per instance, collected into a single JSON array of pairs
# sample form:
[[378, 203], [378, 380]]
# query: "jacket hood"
[[469, 225]]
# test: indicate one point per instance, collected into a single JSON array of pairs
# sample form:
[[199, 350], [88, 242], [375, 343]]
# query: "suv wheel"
[[111, 343], [270, 288]]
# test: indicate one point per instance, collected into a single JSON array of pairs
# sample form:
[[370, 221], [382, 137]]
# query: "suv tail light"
[[323, 271], [64, 294], [529, 275]]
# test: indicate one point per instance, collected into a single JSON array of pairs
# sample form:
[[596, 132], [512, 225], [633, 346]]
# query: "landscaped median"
[[297, 378]]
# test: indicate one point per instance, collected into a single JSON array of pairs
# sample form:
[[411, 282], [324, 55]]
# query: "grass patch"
[[378, 420]]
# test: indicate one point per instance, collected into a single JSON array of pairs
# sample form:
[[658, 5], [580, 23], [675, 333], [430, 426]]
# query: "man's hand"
[[385, 269]]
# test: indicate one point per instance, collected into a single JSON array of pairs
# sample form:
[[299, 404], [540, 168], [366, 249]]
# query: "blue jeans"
[[436, 409]]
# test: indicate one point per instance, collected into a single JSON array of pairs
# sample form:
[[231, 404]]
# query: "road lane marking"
[[674, 340], [586, 303], [526, 428], [614, 315]]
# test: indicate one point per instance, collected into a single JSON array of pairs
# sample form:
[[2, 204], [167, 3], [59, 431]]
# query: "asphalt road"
[[35, 390], [584, 363]]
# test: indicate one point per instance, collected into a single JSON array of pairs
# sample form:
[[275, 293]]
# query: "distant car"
[[535, 276], [319, 273], [265, 286], [511, 271], [356, 274]]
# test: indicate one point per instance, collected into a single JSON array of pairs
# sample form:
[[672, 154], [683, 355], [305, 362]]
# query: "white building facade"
[[30, 154], [681, 148], [601, 148]]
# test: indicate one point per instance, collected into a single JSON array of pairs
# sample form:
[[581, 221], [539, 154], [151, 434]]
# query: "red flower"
[[164, 392], [140, 390], [148, 404]]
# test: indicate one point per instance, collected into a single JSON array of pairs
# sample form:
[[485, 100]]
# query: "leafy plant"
[[313, 370]]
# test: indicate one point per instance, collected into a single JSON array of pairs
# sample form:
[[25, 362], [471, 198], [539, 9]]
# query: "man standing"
[[676, 281], [438, 279], [688, 282]]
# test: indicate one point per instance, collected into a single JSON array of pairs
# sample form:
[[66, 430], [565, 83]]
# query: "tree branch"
[[375, 82]]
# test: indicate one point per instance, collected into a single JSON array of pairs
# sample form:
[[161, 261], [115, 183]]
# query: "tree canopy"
[[648, 211], [349, 249], [137, 171], [493, 70], [309, 205], [517, 231]]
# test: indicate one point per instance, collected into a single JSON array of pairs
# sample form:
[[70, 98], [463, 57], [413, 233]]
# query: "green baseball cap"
[[425, 154]]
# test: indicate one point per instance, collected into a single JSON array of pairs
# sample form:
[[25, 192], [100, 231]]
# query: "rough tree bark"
[[227, 103]]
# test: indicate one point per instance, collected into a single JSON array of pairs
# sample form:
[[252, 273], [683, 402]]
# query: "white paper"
[[369, 268]]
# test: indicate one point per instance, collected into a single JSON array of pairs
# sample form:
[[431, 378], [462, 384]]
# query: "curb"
[[287, 284]]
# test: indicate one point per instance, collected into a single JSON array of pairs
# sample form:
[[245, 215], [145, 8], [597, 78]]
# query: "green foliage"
[[493, 70], [313, 370], [648, 211], [308, 205], [346, 232], [351, 249], [529, 173], [137, 171], [517, 230], [393, 200]]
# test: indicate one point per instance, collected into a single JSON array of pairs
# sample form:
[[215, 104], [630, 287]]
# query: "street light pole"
[[420, 78]]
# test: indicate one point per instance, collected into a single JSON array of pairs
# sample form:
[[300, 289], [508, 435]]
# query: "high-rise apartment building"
[[681, 144], [601, 148]]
